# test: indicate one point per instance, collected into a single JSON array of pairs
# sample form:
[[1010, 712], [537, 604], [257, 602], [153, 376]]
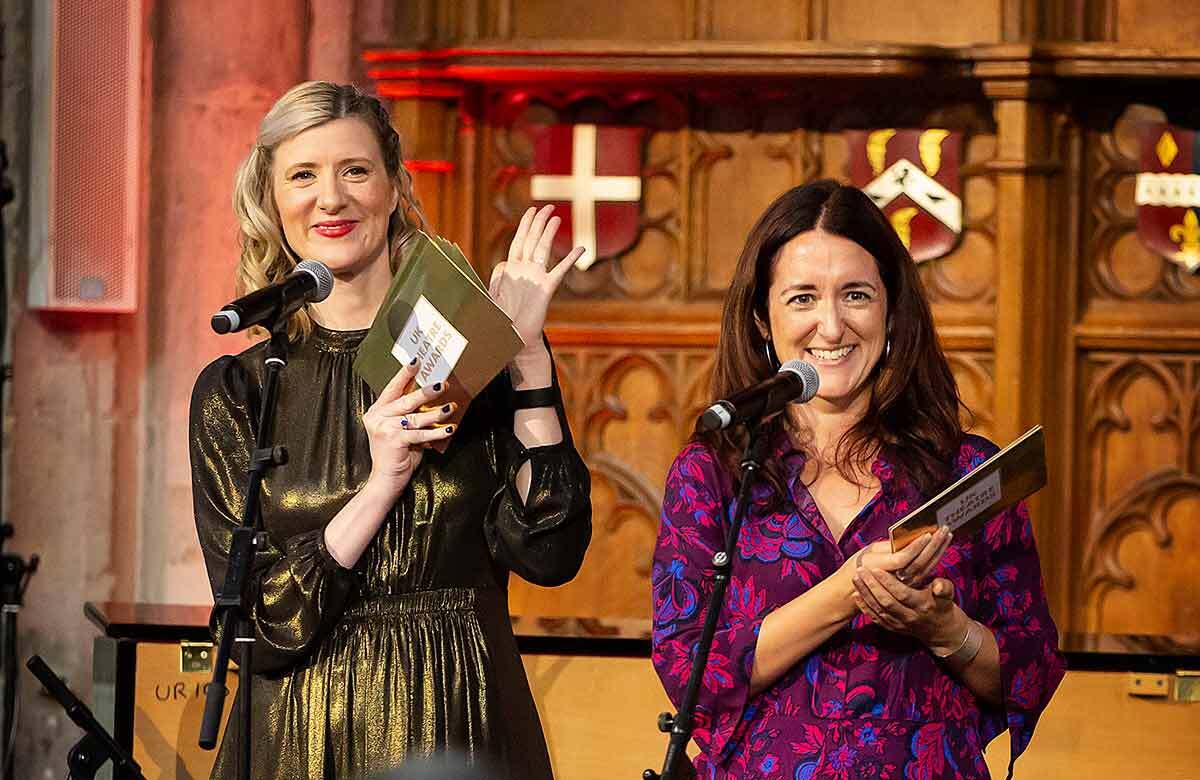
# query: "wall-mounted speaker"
[[85, 183]]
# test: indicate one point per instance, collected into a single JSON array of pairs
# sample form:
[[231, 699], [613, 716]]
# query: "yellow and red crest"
[[1168, 193], [913, 176], [592, 173]]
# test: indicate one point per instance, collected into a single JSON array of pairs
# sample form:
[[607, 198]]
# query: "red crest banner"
[[1168, 193], [913, 176], [592, 174]]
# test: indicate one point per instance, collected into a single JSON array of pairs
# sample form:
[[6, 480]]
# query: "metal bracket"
[[195, 656], [1147, 685]]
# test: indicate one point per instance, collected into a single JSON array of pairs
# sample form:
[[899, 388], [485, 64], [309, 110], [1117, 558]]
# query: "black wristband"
[[536, 399]]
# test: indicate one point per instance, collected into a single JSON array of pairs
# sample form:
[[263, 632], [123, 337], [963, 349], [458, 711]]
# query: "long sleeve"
[[692, 530], [542, 539], [296, 591], [1012, 603]]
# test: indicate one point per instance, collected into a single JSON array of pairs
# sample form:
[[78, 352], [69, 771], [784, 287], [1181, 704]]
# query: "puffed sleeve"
[[543, 538], [1012, 603], [692, 529], [296, 590]]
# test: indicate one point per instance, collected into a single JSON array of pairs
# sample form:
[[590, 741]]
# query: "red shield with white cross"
[[1168, 193], [592, 174], [912, 175]]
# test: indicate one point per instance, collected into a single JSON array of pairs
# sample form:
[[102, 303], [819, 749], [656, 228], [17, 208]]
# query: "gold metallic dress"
[[412, 651]]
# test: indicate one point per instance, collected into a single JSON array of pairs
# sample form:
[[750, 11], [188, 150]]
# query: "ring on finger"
[[404, 421]]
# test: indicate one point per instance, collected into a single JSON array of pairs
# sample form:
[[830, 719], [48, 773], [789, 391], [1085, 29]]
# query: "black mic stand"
[[681, 725], [14, 570], [97, 745], [14, 579], [230, 600]]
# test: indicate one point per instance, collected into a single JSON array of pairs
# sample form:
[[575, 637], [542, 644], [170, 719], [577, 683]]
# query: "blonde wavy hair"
[[266, 257]]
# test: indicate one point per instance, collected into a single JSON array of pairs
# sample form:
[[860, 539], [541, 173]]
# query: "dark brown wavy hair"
[[914, 406]]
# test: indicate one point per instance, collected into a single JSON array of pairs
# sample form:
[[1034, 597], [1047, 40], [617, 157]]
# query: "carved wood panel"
[[974, 373], [961, 285], [651, 268], [739, 111], [631, 410], [713, 160], [1139, 439], [744, 151], [1120, 269]]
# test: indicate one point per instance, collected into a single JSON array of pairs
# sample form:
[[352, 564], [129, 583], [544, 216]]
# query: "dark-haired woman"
[[834, 657]]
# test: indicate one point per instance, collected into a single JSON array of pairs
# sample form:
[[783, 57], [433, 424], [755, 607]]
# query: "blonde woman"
[[379, 603]]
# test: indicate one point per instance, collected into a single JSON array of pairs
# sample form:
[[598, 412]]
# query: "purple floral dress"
[[868, 703]]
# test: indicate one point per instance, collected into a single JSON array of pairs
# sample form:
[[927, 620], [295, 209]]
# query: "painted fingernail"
[[447, 407], [437, 387], [412, 362], [449, 429]]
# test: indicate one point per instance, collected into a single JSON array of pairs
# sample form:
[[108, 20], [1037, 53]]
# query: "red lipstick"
[[335, 228]]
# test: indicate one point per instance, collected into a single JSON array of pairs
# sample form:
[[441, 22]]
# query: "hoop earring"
[[772, 360]]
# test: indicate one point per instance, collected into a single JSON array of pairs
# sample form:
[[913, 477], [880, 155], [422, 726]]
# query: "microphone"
[[796, 382], [311, 281]]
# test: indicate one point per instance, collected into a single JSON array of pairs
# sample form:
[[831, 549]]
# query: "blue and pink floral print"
[[868, 703]]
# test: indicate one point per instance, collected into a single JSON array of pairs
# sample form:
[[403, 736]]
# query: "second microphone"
[[795, 382]]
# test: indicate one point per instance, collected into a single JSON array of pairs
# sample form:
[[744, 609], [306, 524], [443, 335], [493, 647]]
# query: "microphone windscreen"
[[809, 378], [322, 274]]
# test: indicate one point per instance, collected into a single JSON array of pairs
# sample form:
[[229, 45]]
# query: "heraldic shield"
[[592, 173], [913, 176], [1168, 193]]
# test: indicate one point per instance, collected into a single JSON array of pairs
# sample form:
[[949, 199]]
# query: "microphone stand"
[[97, 745], [15, 573], [681, 725], [230, 601]]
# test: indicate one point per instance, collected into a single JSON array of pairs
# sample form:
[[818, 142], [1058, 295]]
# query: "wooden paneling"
[[1159, 23], [630, 409], [648, 270], [1139, 444], [1093, 728], [1049, 307], [915, 21], [712, 162], [974, 373], [574, 19], [1124, 280], [1136, 491], [591, 733], [761, 20], [735, 139]]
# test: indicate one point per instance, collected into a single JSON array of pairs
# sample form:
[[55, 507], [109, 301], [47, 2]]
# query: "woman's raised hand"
[[524, 284], [398, 433]]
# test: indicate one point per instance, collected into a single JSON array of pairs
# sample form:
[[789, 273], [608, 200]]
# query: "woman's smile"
[[335, 228], [829, 357], [827, 306]]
